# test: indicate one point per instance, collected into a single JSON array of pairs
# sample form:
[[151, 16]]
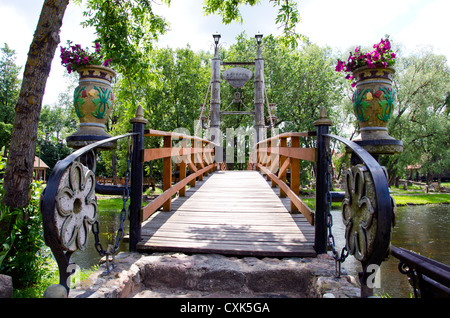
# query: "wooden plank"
[[294, 199], [154, 205], [157, 153], [167, 173], [295, 174], [291, 134], [308, 154], [284, 162]]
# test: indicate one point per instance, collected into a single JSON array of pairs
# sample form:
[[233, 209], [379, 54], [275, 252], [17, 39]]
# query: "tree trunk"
[[19, 168]]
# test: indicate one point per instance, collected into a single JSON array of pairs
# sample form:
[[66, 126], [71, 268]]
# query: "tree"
[[288, 16], [421, 116], [19, 169], [124, 29]]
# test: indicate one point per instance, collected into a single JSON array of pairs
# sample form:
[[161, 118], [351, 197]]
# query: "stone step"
[[162, 275]]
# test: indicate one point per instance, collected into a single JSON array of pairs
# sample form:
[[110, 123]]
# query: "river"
[[423, 229]]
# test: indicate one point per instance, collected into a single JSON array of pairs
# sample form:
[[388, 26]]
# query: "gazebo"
[[39, 168]]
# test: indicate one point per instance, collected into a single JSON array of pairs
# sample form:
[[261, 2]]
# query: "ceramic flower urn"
[[373, 104], [93, 100]]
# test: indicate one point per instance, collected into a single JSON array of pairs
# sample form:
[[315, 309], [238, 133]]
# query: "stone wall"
[[210, 275]]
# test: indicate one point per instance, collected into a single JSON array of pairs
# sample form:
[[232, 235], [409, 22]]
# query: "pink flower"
[[106, 63], [97, 47], [376, 56], [381, 56], [353, 84], [339, 66]]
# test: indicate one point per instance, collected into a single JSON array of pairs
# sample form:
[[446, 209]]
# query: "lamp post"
[[214, 128], [259, 91], [216, 44], [258, 38]]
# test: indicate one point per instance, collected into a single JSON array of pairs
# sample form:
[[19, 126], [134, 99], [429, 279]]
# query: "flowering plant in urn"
[[93, 98], [73, 57], [371, 74], [381, 57]]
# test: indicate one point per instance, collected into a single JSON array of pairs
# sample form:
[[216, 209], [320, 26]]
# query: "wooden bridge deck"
[[230, 213]]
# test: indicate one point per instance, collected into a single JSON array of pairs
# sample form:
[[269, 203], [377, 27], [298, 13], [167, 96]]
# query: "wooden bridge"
[[246, 213], [230, 213]]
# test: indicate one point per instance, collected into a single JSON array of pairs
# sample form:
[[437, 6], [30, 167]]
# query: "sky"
[[340, 24]]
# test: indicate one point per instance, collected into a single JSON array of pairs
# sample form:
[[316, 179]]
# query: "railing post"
[[137, 175], [182, 166], [295, 173], [283, 144], [167, 173], [322, 183], [269, 154]]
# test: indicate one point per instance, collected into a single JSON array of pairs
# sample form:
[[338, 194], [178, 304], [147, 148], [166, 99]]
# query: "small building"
[[39, 168]]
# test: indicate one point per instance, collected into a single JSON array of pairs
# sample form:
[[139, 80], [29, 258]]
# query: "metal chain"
[[111, 250], [339, 259]]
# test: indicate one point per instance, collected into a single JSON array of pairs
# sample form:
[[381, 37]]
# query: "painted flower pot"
[[373, 101], [93, 100]]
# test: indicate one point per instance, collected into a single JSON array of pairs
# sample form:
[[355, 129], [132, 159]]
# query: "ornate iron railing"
[[367, 208], [69, 205], [367, 212], [428, 278]]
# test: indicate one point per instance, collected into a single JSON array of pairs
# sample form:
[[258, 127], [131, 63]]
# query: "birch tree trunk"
[[19, 168]]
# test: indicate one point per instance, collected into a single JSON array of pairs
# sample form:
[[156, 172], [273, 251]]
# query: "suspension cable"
[[203, 108]]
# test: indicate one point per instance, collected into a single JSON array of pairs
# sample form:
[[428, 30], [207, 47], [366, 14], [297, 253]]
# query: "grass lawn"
[[417, 199]]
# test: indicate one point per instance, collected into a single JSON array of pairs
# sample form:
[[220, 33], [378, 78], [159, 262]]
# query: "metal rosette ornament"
[[75, 207], [360, 217]]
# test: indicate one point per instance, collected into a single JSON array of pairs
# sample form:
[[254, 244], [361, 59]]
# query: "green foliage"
[[421, 117], [417, 199], [23, 254], [126, 30], [288, 16], [9, 92]]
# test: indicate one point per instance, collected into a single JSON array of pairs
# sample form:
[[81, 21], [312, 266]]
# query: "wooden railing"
[[190, 153], [274, 156]]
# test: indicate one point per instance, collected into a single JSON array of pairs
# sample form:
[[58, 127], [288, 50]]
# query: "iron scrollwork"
[[69, 204], [368, 211]]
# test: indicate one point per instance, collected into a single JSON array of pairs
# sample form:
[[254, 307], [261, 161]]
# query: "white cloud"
[[17, 31], [345, 23], [70, 30], [430, 28]]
